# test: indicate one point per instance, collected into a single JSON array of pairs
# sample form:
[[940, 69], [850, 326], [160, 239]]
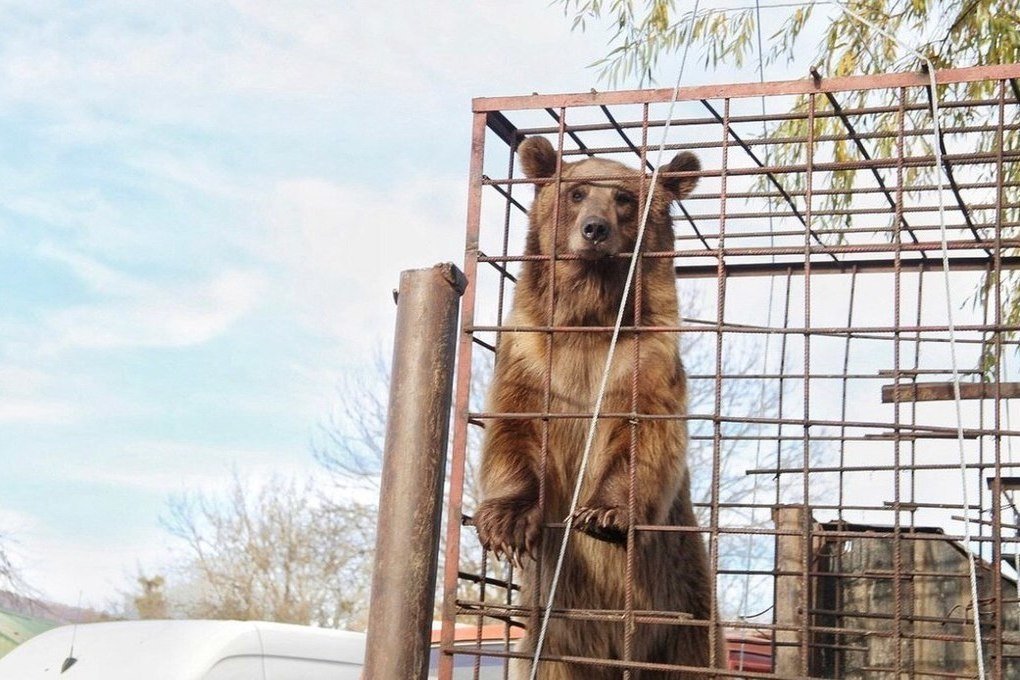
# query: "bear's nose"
[[595, 230]]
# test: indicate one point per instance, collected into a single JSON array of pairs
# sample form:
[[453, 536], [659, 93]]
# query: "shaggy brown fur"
[[670, 569]]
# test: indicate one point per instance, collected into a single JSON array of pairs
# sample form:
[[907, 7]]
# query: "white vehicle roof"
[[173, 650]]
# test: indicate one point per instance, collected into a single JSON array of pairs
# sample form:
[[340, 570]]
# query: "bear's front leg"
[[509, 519], [603, 513], [659, 459]]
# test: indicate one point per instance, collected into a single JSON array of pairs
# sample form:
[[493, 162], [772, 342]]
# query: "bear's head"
[[598, 210]]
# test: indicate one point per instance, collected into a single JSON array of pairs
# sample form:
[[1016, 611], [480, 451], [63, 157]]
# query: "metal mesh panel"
[[815, 334]]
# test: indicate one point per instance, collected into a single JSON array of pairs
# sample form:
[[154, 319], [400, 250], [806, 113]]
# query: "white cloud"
[[186, 63], [27, 397], [140, 313], [36, 412], [141, 124], [19, 380], [166, 467], [97, 276], [14, 523], [340, 248], [64, 567], [66, 211], [48, 394]]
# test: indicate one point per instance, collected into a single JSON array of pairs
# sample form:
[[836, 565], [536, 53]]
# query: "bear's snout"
[[595, 229]]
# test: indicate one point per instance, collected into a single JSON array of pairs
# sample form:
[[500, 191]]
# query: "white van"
[[188, 650]]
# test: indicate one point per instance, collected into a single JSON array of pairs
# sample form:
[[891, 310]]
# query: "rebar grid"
[[852, 508]]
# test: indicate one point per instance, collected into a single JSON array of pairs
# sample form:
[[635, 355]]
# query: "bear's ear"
[[538, 157], [680, 187]]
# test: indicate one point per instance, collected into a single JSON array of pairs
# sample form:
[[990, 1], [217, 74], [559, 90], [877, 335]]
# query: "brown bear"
[[589, 216]]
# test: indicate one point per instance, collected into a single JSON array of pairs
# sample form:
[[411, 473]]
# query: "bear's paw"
[[606, 523], [509, 526]]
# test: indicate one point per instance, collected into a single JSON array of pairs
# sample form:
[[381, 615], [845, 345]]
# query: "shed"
[[868, 606]]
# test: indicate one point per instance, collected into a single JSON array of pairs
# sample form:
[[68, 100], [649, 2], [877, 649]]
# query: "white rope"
[[956, 376], [593, 426], [937, 135], [745, 594]]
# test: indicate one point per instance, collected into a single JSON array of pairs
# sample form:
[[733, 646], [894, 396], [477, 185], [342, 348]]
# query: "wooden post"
[[792, 590]]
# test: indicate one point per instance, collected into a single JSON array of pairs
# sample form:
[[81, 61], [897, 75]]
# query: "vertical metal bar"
[[838, 652], [543, 465], [459, 450], [505, 249], [779, 602], [720, 313], [806, 590], [988, 585], [997, 604], [913, 405], [500, 309], [628, 595], [897, 240], [414, 466]]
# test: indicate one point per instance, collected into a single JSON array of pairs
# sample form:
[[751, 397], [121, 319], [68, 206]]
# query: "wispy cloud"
[[189, 63], [36, 412], [13, 523], [143, 313], [97, 276], [166, 467], [246, 171], [64, 568], [27, 397], [339, 248]]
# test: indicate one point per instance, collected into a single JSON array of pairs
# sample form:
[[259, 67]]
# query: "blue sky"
[[204, 207]]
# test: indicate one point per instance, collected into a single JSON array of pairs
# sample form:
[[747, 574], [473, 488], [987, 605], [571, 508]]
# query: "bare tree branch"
[[274, 552]]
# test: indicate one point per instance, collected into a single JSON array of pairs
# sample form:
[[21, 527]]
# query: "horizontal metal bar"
[[972, 158], [470, 607], [871, 266], [913, 467], [741, 90], [871, 332], [771, 118], [804, 252], [909, 428]]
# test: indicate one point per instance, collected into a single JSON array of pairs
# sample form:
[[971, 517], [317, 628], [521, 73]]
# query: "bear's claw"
[[510, 527], [604, 523]]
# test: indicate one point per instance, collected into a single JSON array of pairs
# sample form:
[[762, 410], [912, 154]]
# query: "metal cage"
[[818, 317]]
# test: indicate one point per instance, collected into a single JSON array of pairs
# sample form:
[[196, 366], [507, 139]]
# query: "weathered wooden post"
[[792, 588], [414, 463]]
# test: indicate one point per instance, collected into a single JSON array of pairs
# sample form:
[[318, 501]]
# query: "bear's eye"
[[577, 195], [625, 200]]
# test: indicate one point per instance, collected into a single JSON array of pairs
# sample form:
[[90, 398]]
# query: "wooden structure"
[[851, 589]]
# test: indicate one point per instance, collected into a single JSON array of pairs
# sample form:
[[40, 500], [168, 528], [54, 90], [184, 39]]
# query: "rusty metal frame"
[[889, 230]]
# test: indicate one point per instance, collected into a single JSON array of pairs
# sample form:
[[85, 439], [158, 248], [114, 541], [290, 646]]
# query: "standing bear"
[[588, 217]]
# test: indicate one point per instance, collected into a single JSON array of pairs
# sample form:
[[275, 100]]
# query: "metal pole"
[[414, 463]]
